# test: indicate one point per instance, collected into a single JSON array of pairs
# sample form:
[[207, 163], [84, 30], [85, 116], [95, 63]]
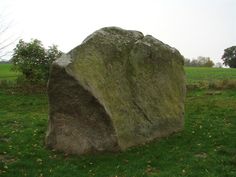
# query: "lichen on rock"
[[116, 90]]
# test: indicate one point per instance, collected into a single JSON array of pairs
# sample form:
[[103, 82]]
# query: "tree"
[[194, 63], [6, 37], [218, 65], [187, 62], [229, 57], [199, 62], [205, 61], [33, 60]]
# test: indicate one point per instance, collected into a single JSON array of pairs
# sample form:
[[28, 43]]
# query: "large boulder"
[[116, 90]]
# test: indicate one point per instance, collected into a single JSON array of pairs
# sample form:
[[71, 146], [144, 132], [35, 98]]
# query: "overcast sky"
[[194, 27]]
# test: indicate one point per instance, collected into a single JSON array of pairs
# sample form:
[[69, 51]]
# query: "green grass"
[[6, 73], [207, 146], [196, 74], [193, 74]]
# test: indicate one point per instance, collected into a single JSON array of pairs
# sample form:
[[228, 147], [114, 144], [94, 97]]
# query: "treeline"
[[199, 62], [4, 61]]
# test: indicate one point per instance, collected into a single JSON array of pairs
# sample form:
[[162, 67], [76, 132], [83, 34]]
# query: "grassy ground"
[[207, 146], [6, 73], [196, 74]]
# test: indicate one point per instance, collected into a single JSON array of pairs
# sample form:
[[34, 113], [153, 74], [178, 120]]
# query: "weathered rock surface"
[[115, 90]]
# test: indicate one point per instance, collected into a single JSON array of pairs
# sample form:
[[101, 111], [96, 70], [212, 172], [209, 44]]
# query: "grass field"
[[196, 74], [193, 74], [206, 147], [6, 73]]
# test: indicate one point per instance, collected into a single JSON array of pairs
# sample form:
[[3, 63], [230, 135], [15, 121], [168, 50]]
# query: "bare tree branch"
[[6, 39]]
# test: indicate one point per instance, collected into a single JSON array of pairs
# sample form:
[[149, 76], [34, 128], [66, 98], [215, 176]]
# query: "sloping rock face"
[[116, 90]]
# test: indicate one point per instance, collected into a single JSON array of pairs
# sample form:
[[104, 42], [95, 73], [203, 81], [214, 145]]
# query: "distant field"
[[6, 73], [196, 74]]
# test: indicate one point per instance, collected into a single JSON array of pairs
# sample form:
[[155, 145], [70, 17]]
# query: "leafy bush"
[[33, 60]]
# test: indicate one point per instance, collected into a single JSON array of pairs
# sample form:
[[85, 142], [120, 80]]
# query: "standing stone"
[[116, 90]]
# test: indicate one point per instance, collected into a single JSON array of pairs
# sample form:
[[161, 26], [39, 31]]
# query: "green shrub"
[[34, 61]]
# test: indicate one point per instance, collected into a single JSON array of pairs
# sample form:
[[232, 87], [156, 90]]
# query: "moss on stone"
[[139, 81]]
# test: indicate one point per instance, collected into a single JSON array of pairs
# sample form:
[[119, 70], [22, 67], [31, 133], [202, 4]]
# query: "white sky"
[[194, 27]]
